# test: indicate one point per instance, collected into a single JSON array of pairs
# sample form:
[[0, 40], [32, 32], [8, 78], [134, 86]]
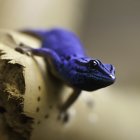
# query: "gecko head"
[[91, 74]]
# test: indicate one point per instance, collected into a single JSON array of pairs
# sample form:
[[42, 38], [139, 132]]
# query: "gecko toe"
[[23, 51], [64, 117]]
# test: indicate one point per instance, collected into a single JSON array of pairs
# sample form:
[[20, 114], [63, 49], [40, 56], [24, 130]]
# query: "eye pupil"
[[93, 64]]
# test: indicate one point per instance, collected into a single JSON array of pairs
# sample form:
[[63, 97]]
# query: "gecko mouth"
[[102, 77], [112, 71]]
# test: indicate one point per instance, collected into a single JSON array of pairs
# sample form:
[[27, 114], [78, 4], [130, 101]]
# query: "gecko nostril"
[[111, 68]]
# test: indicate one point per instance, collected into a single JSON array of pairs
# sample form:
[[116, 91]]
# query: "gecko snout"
[[110, 70]]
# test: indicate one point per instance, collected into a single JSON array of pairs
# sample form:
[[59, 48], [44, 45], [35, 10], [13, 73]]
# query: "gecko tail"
[[39, 33]]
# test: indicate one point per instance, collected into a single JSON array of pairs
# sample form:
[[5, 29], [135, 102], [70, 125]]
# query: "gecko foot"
[[24, 50], [63, 116]]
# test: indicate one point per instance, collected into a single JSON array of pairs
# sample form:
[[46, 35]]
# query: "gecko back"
[[63, 42]]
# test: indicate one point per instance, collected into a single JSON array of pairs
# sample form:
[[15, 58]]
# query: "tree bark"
[[22, 86]]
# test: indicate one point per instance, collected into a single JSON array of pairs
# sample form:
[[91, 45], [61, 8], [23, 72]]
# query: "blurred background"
[[110, 31]]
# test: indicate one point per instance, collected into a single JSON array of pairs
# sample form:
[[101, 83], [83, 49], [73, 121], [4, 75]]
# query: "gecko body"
[[68, 61]]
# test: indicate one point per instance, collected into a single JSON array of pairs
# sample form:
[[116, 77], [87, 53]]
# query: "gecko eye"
[[93, 64]]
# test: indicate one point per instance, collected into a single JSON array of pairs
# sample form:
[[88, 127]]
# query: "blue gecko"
[[67, 61]]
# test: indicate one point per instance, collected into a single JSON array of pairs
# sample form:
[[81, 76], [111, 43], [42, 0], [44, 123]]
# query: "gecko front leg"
[[43, 52], [71, 99], [66, 105], [24, 49]]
